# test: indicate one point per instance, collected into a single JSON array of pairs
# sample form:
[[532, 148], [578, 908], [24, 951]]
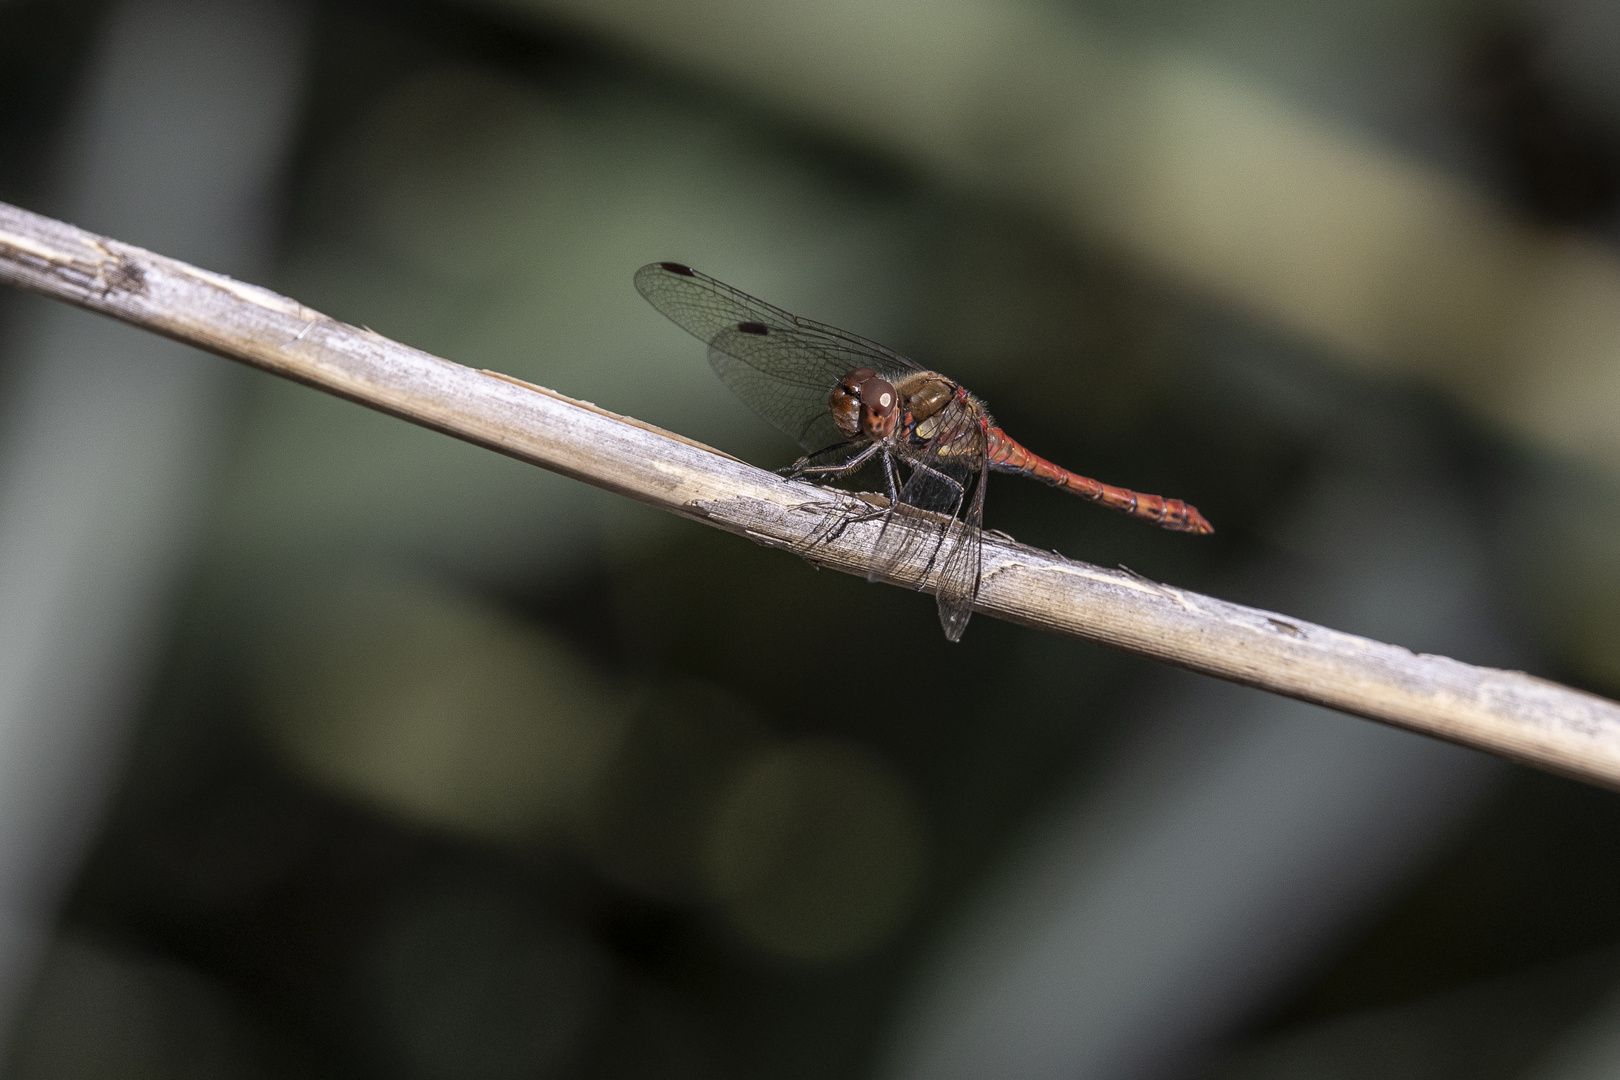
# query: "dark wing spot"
[[753, 328], [677, 268]]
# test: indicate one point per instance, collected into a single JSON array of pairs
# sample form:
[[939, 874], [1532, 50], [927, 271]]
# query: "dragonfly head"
[[864, 406]]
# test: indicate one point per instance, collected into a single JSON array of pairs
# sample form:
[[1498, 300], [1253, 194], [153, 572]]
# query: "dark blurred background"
[[330, 746]]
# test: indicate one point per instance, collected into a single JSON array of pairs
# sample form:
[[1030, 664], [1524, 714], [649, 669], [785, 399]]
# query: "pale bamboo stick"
[[1508, 713]]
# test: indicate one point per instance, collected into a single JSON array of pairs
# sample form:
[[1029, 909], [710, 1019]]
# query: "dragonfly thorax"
[[926, 393], [864, 406]]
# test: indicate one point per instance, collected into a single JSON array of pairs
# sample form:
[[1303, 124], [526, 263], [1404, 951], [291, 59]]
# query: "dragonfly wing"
[[939, 522], [957, 587], [752, 366], [933, 535], [782, 366]]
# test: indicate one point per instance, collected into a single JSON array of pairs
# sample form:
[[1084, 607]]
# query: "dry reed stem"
[[1508, 713]]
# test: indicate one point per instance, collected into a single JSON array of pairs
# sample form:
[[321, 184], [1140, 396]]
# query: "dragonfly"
[[851, 403]]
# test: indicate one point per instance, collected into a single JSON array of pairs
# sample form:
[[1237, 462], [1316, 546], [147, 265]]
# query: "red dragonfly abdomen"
[[1009, 455]]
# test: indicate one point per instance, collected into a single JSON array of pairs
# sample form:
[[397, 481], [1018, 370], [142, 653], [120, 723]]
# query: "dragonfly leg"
[[840, 469], [892, 479], [876, 512], [801, 470], [802, 466], [892, 475]]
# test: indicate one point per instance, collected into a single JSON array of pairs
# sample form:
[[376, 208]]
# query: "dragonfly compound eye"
[[845, 401], [879, 407]]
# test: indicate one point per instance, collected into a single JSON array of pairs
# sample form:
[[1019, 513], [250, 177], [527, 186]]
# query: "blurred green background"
[[399, 758]]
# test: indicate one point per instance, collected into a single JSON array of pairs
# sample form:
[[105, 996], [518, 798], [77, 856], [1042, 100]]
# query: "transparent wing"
[[796, 406], [957, 587], [940, 517], [783, 367]]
